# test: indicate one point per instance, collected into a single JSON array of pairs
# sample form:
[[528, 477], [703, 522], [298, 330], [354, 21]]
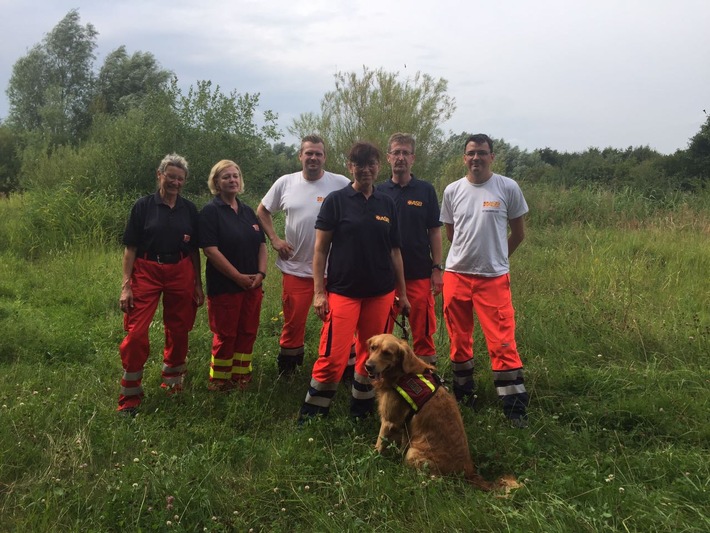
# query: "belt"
[[165, 259]]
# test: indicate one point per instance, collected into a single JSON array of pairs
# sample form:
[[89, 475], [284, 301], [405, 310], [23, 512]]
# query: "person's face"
[[171, 180], [478, 159], [364, 175], [312, 157], [401, 158], [229, 181]]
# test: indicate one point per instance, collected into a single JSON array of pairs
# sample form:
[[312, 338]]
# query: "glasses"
[[403, 153], [479, 153]]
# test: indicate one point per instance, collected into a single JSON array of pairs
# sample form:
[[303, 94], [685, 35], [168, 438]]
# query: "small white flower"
[[135, 485], [169, 523], [283, 509], [310, 439], [621, 490], [307, 488]]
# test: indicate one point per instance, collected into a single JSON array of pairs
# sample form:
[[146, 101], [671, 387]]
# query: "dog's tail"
[[504, 484]]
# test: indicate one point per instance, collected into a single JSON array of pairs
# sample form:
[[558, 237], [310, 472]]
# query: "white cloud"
[[568, 75]]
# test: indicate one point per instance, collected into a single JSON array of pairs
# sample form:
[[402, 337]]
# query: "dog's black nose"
[[370, 368]]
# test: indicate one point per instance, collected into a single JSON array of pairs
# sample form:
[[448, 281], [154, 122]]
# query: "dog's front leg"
[[390, 433]]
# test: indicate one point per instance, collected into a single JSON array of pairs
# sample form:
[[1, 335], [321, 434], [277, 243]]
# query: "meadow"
[[612, 296]]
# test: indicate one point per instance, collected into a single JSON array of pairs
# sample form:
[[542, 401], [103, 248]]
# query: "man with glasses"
[[300, 195], [477, 211], [420, 228]]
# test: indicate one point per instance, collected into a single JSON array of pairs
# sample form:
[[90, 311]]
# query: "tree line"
[[94, 129]]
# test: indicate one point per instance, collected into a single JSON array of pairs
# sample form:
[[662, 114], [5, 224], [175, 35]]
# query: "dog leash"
[[403, 325]]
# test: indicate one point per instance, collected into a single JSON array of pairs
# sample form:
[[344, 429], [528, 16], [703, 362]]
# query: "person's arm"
[[125, 301], [261, 262], [517, 234], [437, 278], [449, 231], [320, 256], [223, 265], [199, 295], [266, 221], [401, 285]]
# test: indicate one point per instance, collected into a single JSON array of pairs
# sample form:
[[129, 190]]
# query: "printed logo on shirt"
[[186, 238], [416, 203], [320, 199], [494, 205], [382, 218]]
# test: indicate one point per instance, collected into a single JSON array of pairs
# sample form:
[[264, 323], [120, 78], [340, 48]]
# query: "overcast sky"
[[551, 73]]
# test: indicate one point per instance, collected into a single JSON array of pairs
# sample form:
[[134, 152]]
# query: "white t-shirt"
[[480, 214], [301, 199]]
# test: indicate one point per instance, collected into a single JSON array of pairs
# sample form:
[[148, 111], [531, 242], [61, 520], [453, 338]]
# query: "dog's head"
[[390, 358]]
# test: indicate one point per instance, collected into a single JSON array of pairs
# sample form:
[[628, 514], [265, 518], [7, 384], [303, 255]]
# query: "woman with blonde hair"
[[235, 247]]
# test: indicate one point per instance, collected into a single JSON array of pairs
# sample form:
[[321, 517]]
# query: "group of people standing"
[[359, 253]]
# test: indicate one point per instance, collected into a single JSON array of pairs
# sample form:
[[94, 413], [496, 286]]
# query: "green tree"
[[51, 87], [124, 81], [9, 161], [375, 104]]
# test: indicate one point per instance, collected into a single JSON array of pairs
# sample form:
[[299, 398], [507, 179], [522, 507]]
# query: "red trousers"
[[363, 317], [491, 300], [149, 280], [234, 321], [296, 299], [422, 318]]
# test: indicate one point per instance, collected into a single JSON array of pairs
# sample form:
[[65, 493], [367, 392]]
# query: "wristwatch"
[[437, 267]]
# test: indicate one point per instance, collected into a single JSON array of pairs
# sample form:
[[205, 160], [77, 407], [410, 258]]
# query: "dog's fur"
[[435, 435]]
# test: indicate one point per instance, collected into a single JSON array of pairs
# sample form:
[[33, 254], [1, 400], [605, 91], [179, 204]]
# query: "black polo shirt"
[[155, 227], [237, 235], [418, 209], [364, 232]]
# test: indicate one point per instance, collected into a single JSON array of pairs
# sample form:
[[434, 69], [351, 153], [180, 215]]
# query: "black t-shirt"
[[237, 235], [155, 227], [418, 210], [364, 232]]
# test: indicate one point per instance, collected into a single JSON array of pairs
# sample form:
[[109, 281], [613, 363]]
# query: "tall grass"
[[613, 318]]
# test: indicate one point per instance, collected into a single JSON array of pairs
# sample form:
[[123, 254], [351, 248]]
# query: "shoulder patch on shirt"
[[382, 218], [416, 203]]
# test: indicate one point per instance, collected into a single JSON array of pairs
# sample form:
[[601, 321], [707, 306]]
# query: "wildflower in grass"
[[310, 439], [621, 490], [136, 460], [135, 485], [283, 509], [307, 488], [169, 523], [609, 478], [177, 517], [276, 489]]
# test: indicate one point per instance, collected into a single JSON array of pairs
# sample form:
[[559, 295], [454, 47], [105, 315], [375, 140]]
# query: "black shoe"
[[287, 368]]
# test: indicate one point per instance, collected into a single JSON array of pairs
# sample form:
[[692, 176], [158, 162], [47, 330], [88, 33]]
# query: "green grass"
[[613, 312]]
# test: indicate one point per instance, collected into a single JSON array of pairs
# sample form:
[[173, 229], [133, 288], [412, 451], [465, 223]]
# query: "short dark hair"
[[479, 138], [313, 139], [401, 138], [363, 152]]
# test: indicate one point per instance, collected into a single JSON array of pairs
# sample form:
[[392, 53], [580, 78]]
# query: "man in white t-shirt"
[[477, 211], [300, 196]]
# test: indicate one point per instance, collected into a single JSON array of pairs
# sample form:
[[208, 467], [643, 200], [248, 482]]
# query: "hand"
[[403, 305], [320, 305], [245, 281], [437, 282], [199, 296], [125, 302], [284, 249], [258, 280]]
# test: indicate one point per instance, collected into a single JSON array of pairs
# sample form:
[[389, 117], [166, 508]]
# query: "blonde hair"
[[217, 170]]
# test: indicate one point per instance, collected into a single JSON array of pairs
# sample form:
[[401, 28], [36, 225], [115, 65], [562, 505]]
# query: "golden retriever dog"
[[433, 435]]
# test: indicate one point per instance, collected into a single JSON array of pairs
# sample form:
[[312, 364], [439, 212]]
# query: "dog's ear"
[[411, 364]]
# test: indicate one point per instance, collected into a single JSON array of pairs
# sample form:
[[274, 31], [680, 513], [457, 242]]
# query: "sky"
[[562, 74]]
